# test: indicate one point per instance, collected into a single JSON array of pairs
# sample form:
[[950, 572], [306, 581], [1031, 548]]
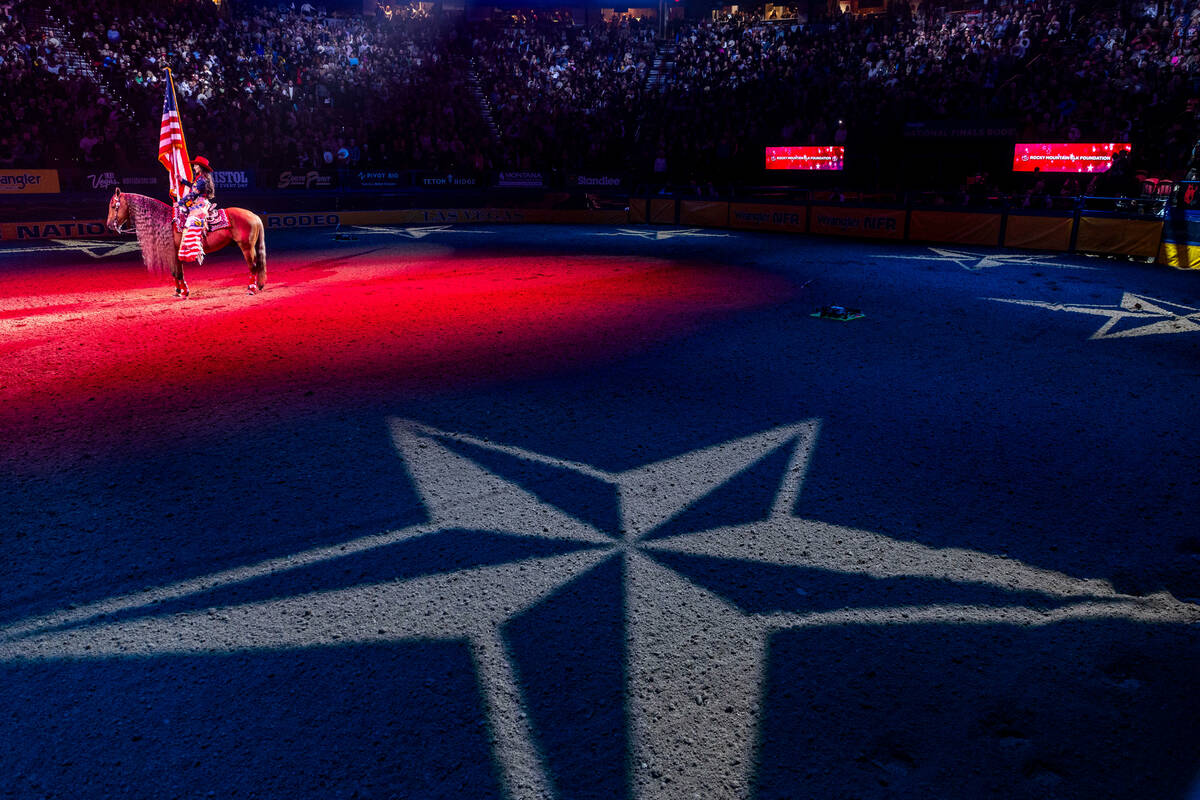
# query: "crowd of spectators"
[[293, 88], [564, 96]]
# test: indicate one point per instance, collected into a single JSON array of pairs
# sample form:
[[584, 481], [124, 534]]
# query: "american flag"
[[172, 149]]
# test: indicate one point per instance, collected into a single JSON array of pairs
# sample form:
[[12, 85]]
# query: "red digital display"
[[806, 157], [1065, 157]]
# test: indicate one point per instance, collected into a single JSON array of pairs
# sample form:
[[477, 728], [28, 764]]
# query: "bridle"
[[115, 205]]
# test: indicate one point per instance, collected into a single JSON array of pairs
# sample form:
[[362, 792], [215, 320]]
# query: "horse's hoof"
[[251, 290]]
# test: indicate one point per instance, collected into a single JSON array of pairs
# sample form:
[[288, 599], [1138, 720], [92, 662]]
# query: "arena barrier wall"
[[1039, 231], [57, 229], [1114, 235], [638, 213], [956, 227], [1177, 243], [1180, 246], [445, 216], [705, 213], [662, 212], [873, 223], [766, 217]]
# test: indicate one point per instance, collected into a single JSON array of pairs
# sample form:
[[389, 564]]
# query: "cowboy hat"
[[201, 161]]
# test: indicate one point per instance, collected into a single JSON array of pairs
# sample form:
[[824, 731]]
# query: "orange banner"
[[876, 223], [28, 181], [705, 213], [1038, 232], [1131, 237], [957, 227], [764, 217]]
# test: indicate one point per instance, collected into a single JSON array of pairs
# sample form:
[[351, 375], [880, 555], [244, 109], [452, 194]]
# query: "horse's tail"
[[260, 252]]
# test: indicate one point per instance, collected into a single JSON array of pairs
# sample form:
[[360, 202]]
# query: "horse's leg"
[[254, 250]]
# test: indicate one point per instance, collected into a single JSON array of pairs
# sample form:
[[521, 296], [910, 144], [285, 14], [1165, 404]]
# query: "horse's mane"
[[153, 223]]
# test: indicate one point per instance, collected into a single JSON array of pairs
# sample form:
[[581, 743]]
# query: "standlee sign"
[[598, 181]]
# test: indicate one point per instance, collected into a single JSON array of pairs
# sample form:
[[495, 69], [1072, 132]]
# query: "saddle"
[[216, 220]]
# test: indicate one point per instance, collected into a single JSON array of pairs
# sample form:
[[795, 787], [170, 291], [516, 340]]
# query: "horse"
[[153, 222]]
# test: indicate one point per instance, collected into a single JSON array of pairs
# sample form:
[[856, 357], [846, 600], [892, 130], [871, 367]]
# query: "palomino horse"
[[153, 222]]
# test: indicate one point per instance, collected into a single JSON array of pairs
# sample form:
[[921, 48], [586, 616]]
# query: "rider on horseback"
[[198, 202]]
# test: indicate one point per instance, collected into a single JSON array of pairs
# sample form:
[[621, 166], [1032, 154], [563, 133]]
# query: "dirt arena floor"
[[551, 512]]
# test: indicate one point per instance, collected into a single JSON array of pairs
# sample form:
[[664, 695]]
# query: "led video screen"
[[824, 158], [1065, 156]]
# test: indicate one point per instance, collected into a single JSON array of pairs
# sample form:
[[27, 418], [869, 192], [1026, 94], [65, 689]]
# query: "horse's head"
[[118, 212]]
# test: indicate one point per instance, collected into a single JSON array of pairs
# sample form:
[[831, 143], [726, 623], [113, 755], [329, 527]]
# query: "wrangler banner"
[[765, 217], [705, 213], [1039, 231], [957, 227], [876, 223], [29, 181], [1131, 237]]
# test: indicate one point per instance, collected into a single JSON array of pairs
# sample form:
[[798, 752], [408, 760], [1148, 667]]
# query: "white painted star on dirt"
[[413, 232], [661, 235], [1135, 315], [974, 262], [683, 640]]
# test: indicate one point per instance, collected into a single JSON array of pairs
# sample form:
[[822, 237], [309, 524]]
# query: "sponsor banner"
[[1131, 237], [380, 178], [596, 181], [29, 181], [306, 179], [662, 212], [960, 129], [765, 217], [1038, 232], [233, 178], [65, 229], [705, 213], [1065, 157], [301, 220], [959, 227], [826, 158], [876, 223], [445, 180], [529, 180], [106, 180]]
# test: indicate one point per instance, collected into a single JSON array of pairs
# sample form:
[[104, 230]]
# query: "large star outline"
[[974, 262], [1135, 315], [684, 640]]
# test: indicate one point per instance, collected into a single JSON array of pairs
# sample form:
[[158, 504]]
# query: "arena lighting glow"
[[1065, 157], [102, 358], [831, 157]]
